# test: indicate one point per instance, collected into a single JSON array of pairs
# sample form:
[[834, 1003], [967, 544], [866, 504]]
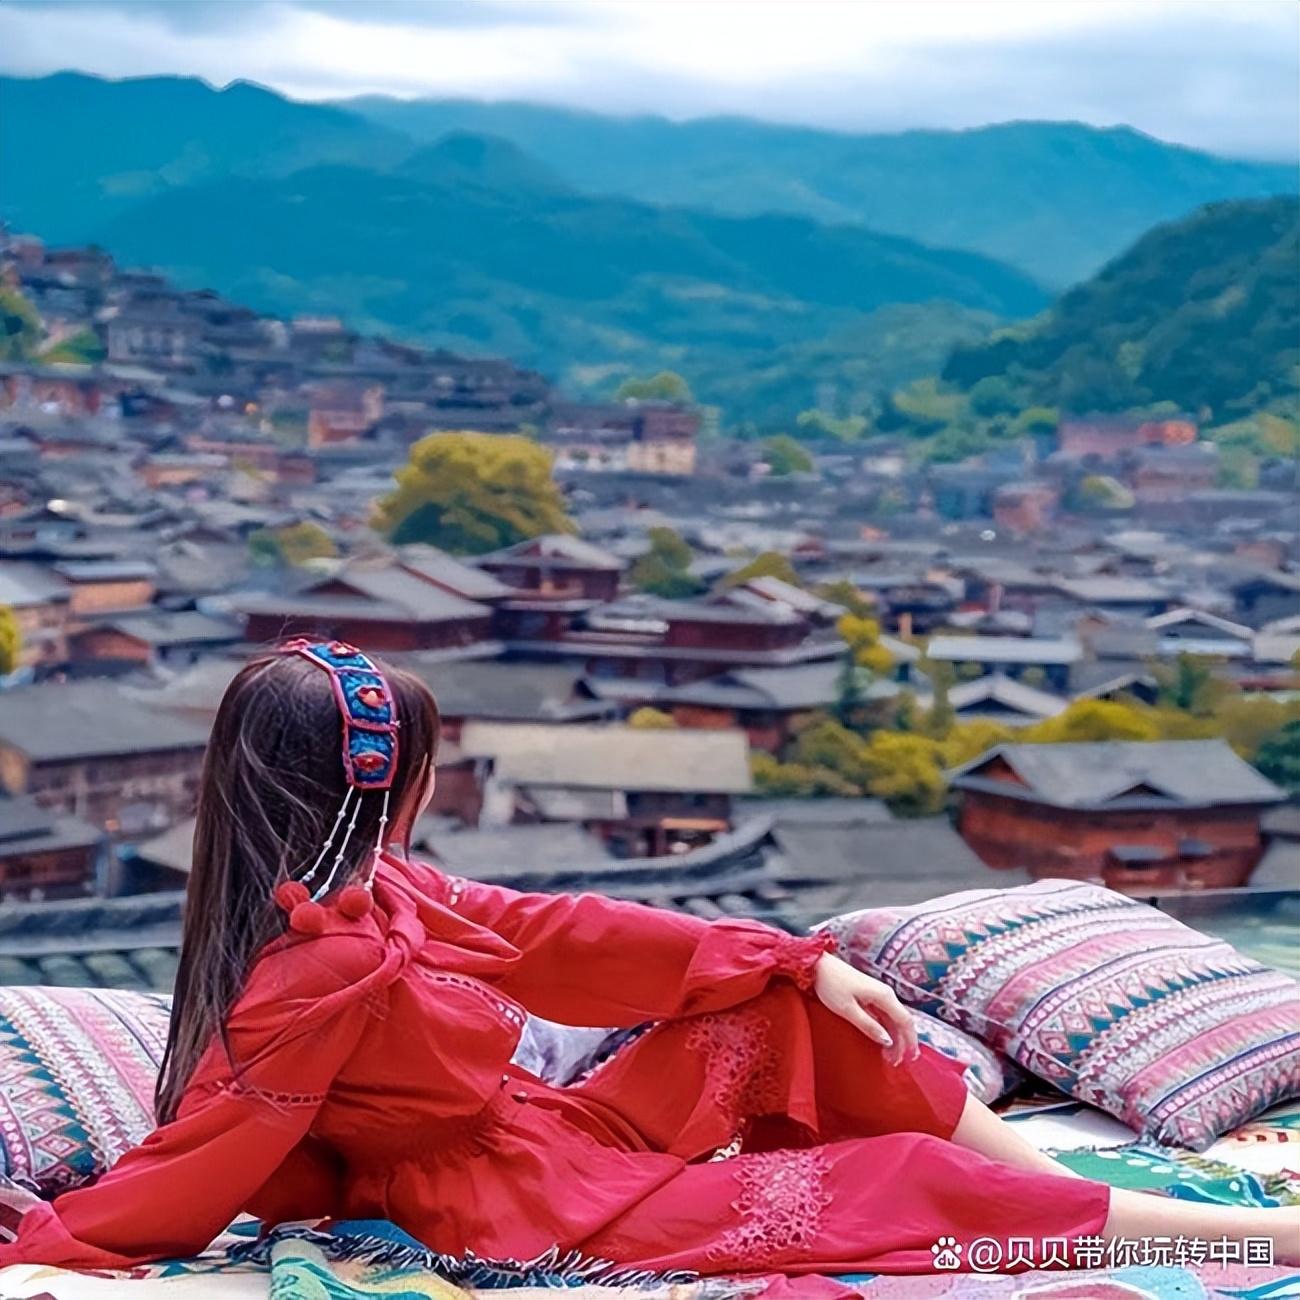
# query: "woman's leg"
[[1135, 1215], [979, 1129]]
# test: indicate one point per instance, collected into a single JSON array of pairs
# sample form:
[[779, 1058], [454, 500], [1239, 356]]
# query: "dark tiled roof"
[[1104, 774], [465, 579], [552, 550], [92, 719], [115, 943], [491, 688]]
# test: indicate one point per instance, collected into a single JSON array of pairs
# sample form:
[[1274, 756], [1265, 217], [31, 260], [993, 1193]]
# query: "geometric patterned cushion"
[[1171, 1031], [989, 1074], [77, 1072]]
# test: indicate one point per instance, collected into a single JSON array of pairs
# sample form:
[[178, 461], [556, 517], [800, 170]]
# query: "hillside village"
[[643, 702]]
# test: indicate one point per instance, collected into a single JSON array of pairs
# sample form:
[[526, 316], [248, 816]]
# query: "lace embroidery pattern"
[[740, 1064], [782, 1202]]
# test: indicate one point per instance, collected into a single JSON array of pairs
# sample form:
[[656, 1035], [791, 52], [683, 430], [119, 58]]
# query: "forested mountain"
[[583, 288], [771, 289], [1202, 312], [1057, 199]]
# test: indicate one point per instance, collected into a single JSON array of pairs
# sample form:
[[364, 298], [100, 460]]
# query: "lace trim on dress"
[[797, 955], [740, 1066], [782, 1202]]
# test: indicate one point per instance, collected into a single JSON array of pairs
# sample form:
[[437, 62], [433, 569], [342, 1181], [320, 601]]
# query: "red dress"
[[374, 1083]]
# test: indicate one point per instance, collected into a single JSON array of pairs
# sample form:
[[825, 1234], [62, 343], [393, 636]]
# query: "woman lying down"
[[345, 1019]]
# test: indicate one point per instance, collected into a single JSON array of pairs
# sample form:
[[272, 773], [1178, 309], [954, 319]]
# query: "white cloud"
[[1221, 76]]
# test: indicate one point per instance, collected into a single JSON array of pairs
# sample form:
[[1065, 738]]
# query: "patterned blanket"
[[1258, 1165]]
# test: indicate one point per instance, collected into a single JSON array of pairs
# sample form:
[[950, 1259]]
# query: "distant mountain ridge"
[[470, 242], [1057, 199], [491, 242]]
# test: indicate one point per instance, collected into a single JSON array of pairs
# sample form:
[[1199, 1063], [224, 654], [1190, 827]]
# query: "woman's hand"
[[870, 1005]]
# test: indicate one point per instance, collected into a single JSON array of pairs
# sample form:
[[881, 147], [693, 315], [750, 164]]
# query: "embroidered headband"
[[368, 714]]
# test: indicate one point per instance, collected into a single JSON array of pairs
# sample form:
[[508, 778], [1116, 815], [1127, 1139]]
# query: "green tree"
[[1279, 757], [473, 492], [666, 386], [1190, 684], [993, 395], [11, 641], [20, 327], [850, 692], [817, 424], [784, 456], [664, 570], [294, 544]]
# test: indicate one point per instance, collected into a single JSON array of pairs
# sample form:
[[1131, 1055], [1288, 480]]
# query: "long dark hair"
[[272, 784]]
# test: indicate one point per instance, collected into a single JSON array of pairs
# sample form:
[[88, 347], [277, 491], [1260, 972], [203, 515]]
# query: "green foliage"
[[906, 772], [1100, 492], [862, 636], [1247, 722], [666, 386], [842, 592], [295, 544], [1279, 757], [815, 424], [11, 641], [1190, 683], [648, 719], [20, 326], [85, 348], [473, 492], [784, 456], [664, 570], [1093, 720], [780, 780], [770, 564], [1202, 313]]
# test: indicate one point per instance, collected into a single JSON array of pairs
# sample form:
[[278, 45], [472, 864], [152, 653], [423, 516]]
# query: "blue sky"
[[1218, 74]]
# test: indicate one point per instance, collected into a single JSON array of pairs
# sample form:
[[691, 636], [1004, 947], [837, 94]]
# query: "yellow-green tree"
[[906, 771], [862, 636], [649, 719], [11, 641], [796, 780], [293, 544], [783, 456], [1090, 720], [967, 740], [473, 492], [770, 564], [843, 592], [664, 570], [1190, 683], [666, 386], [20, 326]]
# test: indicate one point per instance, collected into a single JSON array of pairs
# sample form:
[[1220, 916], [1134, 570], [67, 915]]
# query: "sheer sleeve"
[[590, 960], [170, 1196]]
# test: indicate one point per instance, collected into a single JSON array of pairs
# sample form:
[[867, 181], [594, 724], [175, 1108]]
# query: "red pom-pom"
[[289, 893], [307, 918], [355, 902]]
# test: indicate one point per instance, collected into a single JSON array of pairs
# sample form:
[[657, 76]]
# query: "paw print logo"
[[947, 1253]]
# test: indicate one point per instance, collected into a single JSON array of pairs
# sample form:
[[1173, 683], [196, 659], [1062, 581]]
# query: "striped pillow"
[[77, 1071], [1173, 1032]]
